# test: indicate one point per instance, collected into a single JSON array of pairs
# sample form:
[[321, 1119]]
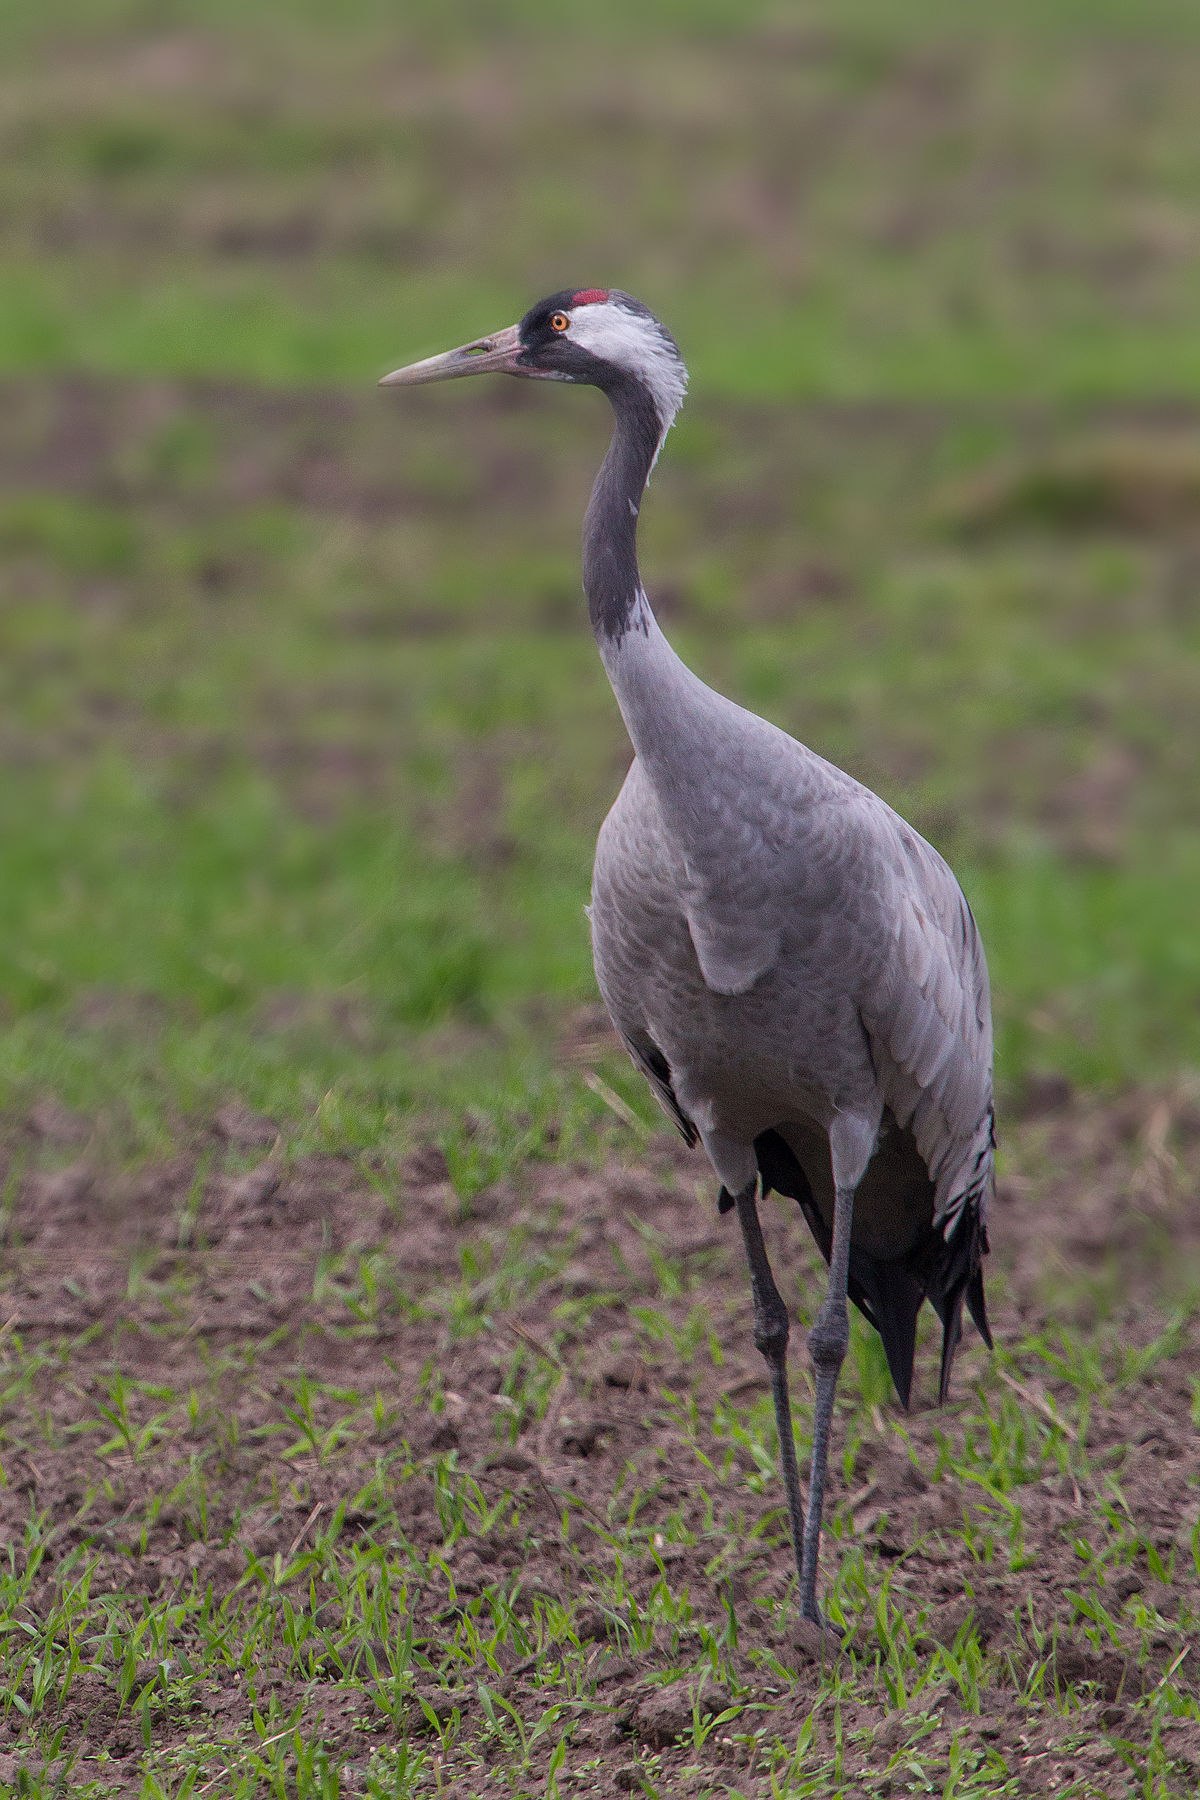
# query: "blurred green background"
[[306, 741]]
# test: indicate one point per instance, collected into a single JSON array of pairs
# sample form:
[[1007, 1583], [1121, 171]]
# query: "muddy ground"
[[226, 1272]]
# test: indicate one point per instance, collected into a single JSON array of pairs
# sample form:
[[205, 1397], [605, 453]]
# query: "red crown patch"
[[589, 296]]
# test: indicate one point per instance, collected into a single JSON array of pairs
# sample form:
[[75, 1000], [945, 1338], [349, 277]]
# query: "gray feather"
[[792, 947]]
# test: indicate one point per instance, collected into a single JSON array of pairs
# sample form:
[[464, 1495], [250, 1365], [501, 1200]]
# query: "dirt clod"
[[441, 1702], [55, 1123], [244, 1129], [254, 1189], [667, 1713]]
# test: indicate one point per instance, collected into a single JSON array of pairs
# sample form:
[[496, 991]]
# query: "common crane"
[[792, 968]]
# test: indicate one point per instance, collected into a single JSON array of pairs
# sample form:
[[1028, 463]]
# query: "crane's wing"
[[786, 857], [653, 1064], [927, 1014], [802, 866]]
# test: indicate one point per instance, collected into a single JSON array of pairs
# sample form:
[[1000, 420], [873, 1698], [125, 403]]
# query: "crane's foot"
[[813, 1639]]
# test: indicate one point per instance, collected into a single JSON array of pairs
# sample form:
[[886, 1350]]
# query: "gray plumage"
[[795, 971], [778, 948]]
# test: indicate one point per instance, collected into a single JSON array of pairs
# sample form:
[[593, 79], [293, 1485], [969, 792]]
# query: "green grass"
[[287, 748], [284, 765], [925, 206]]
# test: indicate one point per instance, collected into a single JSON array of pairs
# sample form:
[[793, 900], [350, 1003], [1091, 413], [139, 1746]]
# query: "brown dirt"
[[217, 1271]]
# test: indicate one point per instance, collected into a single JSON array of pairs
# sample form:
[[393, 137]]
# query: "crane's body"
[[795, 970], [836, 909]]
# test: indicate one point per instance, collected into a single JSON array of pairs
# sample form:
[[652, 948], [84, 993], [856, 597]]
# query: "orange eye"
[[559, 321]]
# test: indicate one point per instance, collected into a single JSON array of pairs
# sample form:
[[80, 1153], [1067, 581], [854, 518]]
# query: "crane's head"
[[598, 337]]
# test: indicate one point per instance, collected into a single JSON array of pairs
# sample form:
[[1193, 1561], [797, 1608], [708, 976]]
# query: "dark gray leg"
[[827, 1343], [771, 1338]]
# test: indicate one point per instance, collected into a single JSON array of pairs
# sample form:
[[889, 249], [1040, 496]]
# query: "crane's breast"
[[740, 1059], [640, 942]]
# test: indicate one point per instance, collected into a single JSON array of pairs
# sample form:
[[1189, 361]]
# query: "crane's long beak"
[[492, 355]]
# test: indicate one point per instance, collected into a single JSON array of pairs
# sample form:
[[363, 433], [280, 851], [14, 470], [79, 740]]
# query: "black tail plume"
[[977, 1306], [890, 1298], [955, 1276]]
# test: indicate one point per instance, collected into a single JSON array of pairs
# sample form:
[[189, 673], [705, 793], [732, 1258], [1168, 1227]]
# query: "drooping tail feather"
[[890, 1298], [957, 1275], [977, 1306]]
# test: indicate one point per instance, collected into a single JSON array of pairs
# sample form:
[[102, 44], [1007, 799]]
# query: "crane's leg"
[[771, 1338], [827, 1343]]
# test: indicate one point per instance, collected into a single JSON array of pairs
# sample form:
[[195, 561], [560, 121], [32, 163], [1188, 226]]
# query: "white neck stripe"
[[635, 343]]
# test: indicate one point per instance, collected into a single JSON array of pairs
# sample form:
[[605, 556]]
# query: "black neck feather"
[[610, 569]]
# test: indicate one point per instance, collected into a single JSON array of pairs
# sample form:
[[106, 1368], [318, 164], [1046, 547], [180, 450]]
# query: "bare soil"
[[217, 1272]]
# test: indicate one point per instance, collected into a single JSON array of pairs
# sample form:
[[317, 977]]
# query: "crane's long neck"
[[610, 567], [658, 695]]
